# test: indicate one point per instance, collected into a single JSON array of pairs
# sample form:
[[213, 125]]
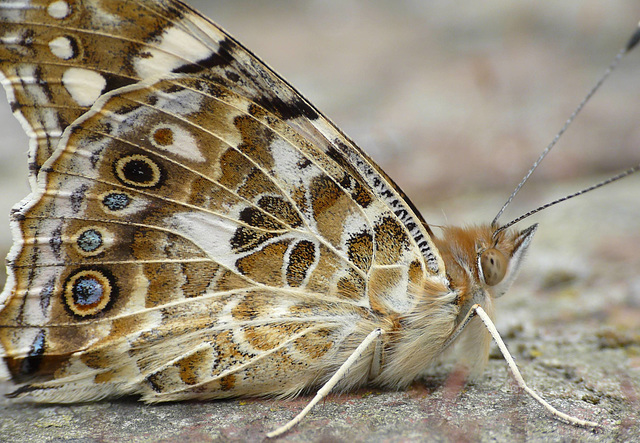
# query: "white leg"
[[516, 373], [324, 391]]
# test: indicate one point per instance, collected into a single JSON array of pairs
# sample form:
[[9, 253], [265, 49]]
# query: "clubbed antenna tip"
[[635, 38]]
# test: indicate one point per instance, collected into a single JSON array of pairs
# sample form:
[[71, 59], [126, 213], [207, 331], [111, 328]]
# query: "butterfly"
[[199, 230]]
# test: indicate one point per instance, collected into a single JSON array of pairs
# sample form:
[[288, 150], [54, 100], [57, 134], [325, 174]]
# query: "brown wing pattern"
[[194, 230]]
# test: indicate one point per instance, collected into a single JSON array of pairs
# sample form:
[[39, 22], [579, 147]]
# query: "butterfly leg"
[[477, 310], [324, 391]]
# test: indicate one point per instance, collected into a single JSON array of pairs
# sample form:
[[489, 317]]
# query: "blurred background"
[[455, 101]]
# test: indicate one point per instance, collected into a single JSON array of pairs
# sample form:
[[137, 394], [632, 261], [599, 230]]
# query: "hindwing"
[[196, 227]]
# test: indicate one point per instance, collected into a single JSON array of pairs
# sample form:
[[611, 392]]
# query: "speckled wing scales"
[[202, 232], [58, 57]]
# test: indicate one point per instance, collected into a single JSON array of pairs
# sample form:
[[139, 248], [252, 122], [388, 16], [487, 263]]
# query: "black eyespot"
[[138, 171]]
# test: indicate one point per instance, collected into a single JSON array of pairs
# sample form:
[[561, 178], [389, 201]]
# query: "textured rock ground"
[[454, 104]]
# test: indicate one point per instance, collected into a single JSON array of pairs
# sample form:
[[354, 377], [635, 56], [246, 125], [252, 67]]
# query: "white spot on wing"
[[354, 223], [61, 47], [287, 160], [210, 232], [183, 143], [213, 233], [175, 48], [11, 39], [58, 9], [83, 85]]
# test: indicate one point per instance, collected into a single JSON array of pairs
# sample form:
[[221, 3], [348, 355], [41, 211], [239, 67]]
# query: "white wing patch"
[[163, 57], [58, 9], [83, 85], [61, 47], [176, 140], [210, 232]]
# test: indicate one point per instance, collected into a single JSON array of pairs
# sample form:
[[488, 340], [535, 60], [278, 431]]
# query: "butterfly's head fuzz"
[[479, 267], [480, 263]]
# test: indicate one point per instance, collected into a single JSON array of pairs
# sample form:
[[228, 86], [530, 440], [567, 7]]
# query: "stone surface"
[[454, 103]]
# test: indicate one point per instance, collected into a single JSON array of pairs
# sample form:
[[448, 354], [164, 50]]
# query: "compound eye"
[[494, 266]]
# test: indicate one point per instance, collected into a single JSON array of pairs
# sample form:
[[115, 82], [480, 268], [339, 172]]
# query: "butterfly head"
[[480, 262]]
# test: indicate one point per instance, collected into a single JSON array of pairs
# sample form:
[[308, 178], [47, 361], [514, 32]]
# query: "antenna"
[[623, 174], [633, 41]]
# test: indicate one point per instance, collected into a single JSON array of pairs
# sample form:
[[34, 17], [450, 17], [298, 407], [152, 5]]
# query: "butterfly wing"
[[203, 232]]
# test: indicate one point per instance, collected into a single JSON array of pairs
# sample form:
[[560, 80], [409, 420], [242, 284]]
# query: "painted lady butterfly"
[[198, 230]]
